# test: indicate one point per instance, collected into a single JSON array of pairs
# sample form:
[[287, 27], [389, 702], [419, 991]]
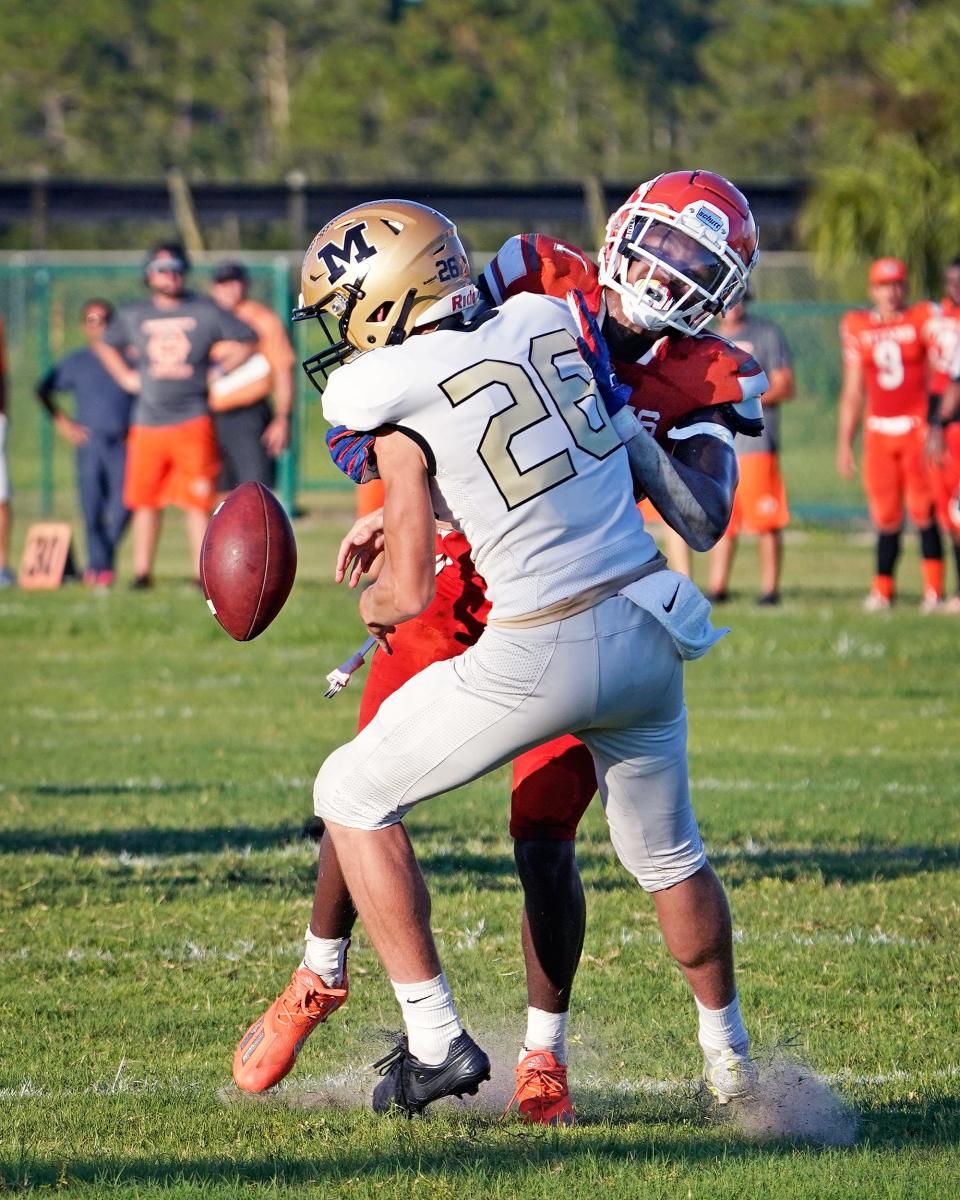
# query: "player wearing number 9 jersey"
[[885, 362]]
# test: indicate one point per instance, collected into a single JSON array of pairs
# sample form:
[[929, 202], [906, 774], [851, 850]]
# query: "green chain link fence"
[[41, 298]]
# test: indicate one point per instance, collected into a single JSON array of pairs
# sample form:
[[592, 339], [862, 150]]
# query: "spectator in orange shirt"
[[885, 354], [250, 433]]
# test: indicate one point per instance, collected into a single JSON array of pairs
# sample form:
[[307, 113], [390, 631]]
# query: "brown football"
[[248, 561]]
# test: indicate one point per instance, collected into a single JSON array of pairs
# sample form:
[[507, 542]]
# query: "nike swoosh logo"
[[418, 999], [673, 600]]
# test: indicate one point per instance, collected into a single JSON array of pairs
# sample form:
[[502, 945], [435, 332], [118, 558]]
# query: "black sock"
[[930, 544], [888, 551]]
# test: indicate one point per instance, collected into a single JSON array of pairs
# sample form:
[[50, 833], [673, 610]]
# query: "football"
[[248, 561]]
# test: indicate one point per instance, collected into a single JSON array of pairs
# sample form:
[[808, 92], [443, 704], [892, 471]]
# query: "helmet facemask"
[[672, 269], [331, 314]]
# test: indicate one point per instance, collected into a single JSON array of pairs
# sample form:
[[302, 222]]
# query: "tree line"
[[856, 96]]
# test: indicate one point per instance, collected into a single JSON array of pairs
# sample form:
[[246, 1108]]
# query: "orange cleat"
[[542, 1092], [269, 1048]]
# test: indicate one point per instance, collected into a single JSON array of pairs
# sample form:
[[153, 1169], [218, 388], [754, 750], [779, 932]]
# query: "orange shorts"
[[760, 501], [895, 473], [946, 481], [172, 464]]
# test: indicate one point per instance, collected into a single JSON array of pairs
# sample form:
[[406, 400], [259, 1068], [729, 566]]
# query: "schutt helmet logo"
[[355, 248], [708, 217]]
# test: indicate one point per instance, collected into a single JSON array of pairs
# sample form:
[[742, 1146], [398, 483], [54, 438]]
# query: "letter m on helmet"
[[355, 249]]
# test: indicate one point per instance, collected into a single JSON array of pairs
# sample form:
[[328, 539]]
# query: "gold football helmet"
[[377, 272]]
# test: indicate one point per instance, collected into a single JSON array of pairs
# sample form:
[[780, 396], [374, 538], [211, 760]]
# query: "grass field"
[[154, 891]]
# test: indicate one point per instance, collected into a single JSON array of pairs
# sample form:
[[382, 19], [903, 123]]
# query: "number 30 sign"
[[45, 556]]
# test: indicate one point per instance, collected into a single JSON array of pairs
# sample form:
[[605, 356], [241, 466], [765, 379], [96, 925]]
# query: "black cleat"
[[409, 1085]]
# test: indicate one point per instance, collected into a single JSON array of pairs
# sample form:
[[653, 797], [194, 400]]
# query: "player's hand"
[[360, 549], [935, 445], [846, 463], [375, 628], [276, 436], [594, 352], [353, 453]]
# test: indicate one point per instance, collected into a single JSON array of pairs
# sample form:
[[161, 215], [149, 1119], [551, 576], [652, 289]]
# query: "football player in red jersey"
[[943, 449], [944, 434], [885, 355], [676, 253]]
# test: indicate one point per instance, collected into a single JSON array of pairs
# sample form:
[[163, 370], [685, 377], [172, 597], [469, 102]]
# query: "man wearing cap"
[[172, 455], [885, 356], [250, 433]]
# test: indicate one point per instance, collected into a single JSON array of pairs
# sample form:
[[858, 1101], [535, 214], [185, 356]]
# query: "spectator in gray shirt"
[[760, 504], [172, 455]]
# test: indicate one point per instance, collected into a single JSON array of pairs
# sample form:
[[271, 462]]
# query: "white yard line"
[[360, 1078]]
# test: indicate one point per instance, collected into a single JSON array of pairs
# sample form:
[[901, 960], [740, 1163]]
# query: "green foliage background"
[[857, 96]]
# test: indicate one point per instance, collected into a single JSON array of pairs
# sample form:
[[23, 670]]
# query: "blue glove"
[[353, 453], [614, 394]]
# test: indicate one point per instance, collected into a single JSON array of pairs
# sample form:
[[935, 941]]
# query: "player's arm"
[[693, 488], [407, 578], [361, 550], [123, 374], [849, 413], [949, 411]]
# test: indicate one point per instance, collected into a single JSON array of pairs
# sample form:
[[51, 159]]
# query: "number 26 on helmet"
[[377, 272]]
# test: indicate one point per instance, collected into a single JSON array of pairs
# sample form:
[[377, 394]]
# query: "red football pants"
[[552, 784]]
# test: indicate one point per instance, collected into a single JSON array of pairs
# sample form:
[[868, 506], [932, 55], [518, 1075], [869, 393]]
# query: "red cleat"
[[542, 1092], [269, 1048]]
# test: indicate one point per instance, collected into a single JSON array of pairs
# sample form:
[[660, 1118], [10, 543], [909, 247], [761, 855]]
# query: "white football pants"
[[611, 675]]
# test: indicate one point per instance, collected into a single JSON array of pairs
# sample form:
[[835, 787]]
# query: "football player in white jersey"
[[493, 423]]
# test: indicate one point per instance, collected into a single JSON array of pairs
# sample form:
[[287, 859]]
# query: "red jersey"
[[944, 334], [678, 376], [893, 354]]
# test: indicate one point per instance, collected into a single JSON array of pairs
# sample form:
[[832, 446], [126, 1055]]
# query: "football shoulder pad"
[[532, 262], [368, 392], [687, 374]]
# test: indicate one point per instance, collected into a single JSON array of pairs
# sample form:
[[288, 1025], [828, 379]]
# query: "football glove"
[[594, 352], [353, 453]]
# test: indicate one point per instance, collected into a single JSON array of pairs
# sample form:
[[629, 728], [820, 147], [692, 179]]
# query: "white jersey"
[[523, 458]]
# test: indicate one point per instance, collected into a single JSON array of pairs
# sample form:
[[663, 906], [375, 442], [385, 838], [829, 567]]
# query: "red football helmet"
[[680, 250]]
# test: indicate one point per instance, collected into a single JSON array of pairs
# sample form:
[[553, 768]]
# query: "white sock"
[[546, 1031], [326, 957], [722, 1029], [429, 1016]]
